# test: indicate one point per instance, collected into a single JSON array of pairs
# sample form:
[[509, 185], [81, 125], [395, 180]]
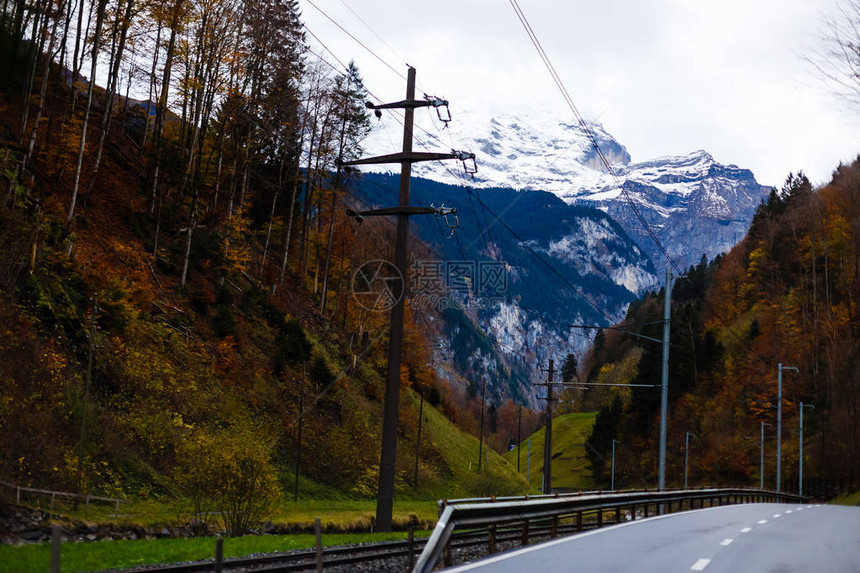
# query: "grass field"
[[569, 465], [847, 499], [458, 477], [102, 555]]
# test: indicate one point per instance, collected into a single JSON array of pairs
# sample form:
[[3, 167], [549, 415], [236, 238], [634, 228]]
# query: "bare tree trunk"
[[110, 93], [192, 224], [95, 58], [42, 96], [290, 218], [67, 22], [328, 252], [151, 92], [161, 108], [269, 232], [78, 56], [40, 24]]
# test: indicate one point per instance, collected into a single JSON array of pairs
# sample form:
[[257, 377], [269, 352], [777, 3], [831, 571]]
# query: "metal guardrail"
[[442, 503], [555, 508]]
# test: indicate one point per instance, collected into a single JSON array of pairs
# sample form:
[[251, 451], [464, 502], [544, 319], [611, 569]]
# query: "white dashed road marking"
[[762, 521], [776, 515], [746, 529], [726, 542], [700, 565]]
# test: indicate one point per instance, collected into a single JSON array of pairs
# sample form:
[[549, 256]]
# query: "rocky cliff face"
[[693, 204], [560, 264]]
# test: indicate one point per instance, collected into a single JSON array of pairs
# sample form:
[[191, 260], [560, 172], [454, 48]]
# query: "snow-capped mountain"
[[693, 204]]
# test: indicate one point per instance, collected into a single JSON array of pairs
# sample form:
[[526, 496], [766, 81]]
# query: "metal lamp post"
[[780, 368], [612, 486], [800, 444], [761, 464], [664, 382], [687, 456]]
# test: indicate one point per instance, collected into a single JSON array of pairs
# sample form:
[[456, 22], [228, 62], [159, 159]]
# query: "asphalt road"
[[759, 537]]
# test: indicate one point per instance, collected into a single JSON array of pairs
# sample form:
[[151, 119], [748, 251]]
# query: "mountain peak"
[[540, 150]]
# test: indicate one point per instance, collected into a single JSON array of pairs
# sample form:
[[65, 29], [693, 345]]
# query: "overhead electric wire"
[[589, 133], [372, 31], [342, 65], [359, 42], [577, 290]]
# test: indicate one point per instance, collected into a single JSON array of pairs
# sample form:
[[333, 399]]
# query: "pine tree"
[[599, 444]]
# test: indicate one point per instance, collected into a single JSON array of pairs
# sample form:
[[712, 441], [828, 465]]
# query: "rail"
[[54, 494], [573, 507]]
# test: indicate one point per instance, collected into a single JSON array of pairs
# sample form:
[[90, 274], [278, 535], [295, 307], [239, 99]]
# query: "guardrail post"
[[600, 517], [446, 558], [618, 515], [645, 510], [553, 529], [491, 541], [53, 494], [87, 506], [18, 494], [579, 521], [525, 535]]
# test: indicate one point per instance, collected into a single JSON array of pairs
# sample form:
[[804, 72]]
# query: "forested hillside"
[[787, 294], [175, 276]]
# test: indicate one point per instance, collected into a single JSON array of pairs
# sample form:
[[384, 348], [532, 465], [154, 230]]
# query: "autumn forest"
[[175, 263]]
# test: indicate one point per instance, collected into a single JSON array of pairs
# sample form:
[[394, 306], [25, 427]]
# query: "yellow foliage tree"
[[230, 472]]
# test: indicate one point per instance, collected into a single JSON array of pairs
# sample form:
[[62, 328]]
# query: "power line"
[[485, 228], [342, 65], [588, 131], [359, 42], [372, 31]]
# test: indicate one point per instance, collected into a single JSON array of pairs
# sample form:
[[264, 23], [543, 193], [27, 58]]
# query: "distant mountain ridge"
[[694, 204], [546, 182]]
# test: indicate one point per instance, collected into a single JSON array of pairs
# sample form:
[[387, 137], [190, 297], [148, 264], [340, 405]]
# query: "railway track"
[[389, 555]]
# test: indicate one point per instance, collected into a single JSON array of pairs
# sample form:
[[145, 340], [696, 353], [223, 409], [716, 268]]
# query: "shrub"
[[230, 472]]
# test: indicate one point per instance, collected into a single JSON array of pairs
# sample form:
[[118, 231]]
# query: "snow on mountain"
[[694, 204]]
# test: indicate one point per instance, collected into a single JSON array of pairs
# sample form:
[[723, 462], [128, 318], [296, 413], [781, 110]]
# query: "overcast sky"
[[664, 77]]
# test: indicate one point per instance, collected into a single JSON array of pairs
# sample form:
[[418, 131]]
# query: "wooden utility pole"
[[519, 435], [418, 439], [385, 494], [664, 383], [547, 443], [481, 432]]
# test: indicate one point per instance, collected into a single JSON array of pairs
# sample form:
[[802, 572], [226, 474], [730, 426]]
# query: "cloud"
[[664, 76]]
